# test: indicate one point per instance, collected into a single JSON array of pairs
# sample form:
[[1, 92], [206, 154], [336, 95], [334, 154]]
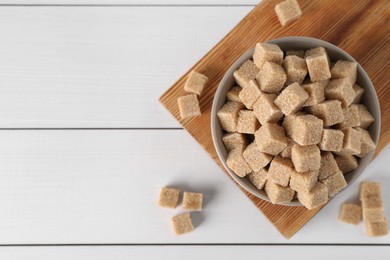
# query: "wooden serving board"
[[361, 27]]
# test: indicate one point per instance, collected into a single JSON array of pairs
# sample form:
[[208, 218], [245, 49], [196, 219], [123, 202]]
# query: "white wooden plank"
[[130, 2], [100, 67], [197, 252], [102, 187]]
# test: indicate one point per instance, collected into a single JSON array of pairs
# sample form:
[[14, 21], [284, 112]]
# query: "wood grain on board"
[[362, 28]]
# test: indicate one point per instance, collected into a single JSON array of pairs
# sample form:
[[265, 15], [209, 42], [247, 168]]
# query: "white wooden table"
[[85, 145]]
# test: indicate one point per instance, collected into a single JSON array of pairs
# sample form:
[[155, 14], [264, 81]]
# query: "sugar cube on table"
[[340, 89], [233, 94], [373, 209], [288, 11], [367, 144], [270, 138], [350, 213], [329, 111], [250, 94], [228, 116], [237, 163], [169, 197], [278, 194], [246, 73], [195, 83], [359, 91], [369, 189], [334, 183], [346, 163], [291, 99], [376, 229], [328, 166], [366, 119], [345, 69], [306, 130], [247, 122], [351, 142], [314, 198], [192, 201], [265, 110], [280, 170], [271, 78], [298, 53], [318, 66], [189, 106], [296, 69], [267, 52], [306, 158], [255, 158], [234, 140], [332, 140], [182, 224], [303, 181], [316, 93], [258, 178]]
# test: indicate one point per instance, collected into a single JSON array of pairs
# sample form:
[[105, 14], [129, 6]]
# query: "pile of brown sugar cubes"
[[372, 208], [294, 124], [169, 198]]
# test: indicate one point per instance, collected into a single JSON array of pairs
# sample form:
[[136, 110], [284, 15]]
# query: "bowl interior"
[[370, 100]]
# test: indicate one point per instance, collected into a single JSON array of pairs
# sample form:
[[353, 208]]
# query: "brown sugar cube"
[[246, 73], [367, 144], [289, 122], [189, 106], [265, 110], [255, 158], [234, 140], [351, 142], [332, 140], [318, 67], [329, 111], [267, 52], [369, 189], [315, 51], [233, 94], [250, 94], [247, 122], [182, 224], [195, 83], [298, 53], [359, 91], [314, 198], [280, 170], [288, 12], [376, 229], [306, 158], [335, 183], [303, 181], [315, 91], [278, 194], [328, 166], [345, 69], [346, 163], [296, 69], [340, 89], [271, 77], [373, 209], [366, 118], [350, 213], [270, 138], [228, 116], [351, 117], [291, 99], [169, 197], [237, 163], [286, 153], [259, 178], [307, 130], [192, 201]]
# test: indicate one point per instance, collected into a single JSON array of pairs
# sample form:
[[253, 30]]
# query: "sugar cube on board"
[[288, 11], [195, 82], [189, 106]]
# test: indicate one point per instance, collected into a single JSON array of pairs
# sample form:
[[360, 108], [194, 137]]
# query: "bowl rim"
[[229, 72]]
